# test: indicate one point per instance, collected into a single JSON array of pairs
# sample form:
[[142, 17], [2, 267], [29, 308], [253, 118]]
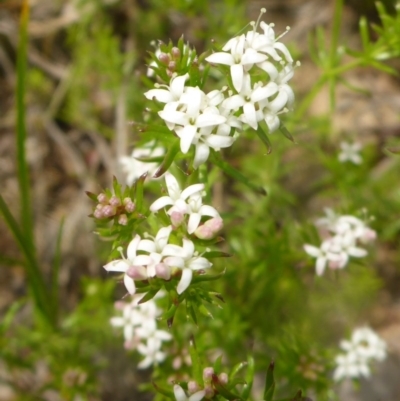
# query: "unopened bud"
[[114, 201], [109, 211], [209, 229], [102, 198], [129, 205], [177, 218], [164, 58], [176, 53], [193, 387], [172, 65], [223, 378], [123, 220], [208, 373], [98, 213], [163, 271], [137, 272]]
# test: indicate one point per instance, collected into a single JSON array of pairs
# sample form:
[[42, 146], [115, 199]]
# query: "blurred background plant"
[[74, 110]]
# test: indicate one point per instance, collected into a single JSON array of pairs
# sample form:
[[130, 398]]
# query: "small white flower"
[[123, 265], [171, 93], [176, 198], [155, 248], [186, 259], [197, 210], [326, 253], [350, 152], [350, 366], [181, 396]]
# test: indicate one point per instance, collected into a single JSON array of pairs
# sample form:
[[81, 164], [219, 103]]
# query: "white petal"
[[174, 261], [263, 92], [237, 73], [233, 103], [191, 190], [179, 393], [187, 135], [252, 57], [188, 246], [174, 250], [129, 284], [279, 102], [312, 250], [147, 245], [250, 115], [160, 203], [218, 141], [197, 396], [221, 58], [173, 116], [320, 265], [201, 154], [185, 280], [117, 266], [132, 247], [200, 263], [162, 95], [177, 85], [206, 210], [209, 119], [193, 223]]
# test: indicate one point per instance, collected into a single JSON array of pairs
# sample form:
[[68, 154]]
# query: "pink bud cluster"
[[209, 378], [113, 207]]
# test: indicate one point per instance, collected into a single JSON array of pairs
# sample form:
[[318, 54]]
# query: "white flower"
[[350, 366], [155, 248], [365, 345], [181, 396], [197, 210], [140, 329], [240, 60], [134, 168], [132, 261], [350, 152], [326, 253], [186, 259], [176, 198], [171, 93]]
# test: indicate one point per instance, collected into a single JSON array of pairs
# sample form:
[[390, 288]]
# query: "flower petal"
[[191, 190], [129, 284], [160, 203], [185, 281], [193, 223]]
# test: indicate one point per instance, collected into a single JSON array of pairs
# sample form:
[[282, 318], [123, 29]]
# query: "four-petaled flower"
[[180, 395]]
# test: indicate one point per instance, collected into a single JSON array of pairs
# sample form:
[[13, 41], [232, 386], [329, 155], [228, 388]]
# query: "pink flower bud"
[[163, 271], [209, 229], [129, 205], [102, 198], [193, 387], [175, 52], [137, 272], [216, 224], [208, 373], [98, 213], [172, 65], [114, 201], [223, 378], [109, 211], [123, 220], [369, 235], [164, 58], [177, 218]]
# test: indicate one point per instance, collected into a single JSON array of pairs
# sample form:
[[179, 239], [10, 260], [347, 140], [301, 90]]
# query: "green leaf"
[[139, 189], [92, 196], [207, 277], [163, 391], [269, 383], [226, 393], [218, 364], [216, 254], [249, 378], [22, 166], [228, 169], [285, 132], [263, 136], [149, 295], [197, 370], [168, 160]]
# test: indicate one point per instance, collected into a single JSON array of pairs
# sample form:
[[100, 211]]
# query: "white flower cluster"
[[215, 119], [364, 346], [258, 101], [344, 234], [154, 256], [139, 324]]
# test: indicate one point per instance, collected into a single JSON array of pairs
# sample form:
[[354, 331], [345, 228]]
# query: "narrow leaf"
[[168, 160], [269, 383], [249, 378], [263, 136], [228, 169]]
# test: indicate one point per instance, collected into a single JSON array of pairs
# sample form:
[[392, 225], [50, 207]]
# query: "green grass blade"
[[22, 167], [34, 276]]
